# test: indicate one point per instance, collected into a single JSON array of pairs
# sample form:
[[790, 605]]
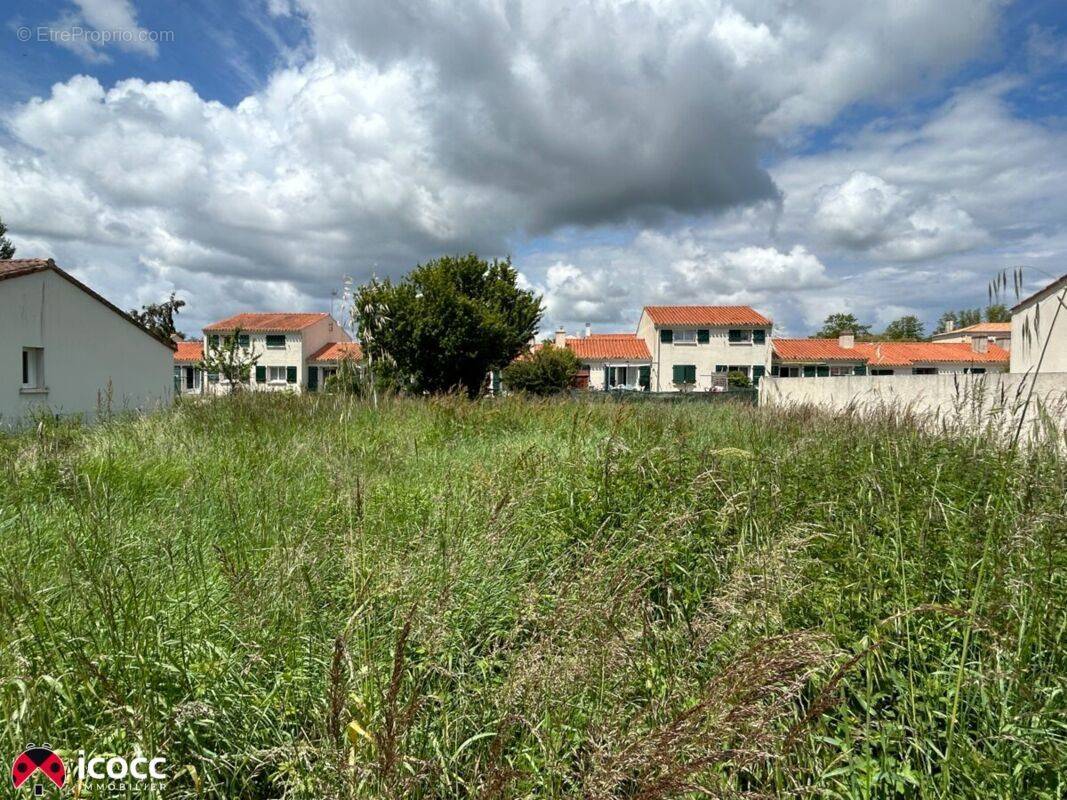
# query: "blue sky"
[[251, 155]]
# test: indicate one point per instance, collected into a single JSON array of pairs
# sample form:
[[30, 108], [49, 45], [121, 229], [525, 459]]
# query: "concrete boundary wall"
[[993, 399]]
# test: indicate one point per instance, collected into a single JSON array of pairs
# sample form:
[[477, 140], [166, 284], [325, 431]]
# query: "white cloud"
[[95, 25]]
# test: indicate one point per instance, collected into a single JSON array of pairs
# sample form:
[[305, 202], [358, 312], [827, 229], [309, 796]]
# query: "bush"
[[739, 380], [547, 370]]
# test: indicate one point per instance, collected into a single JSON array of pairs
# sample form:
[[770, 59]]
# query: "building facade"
[[188, 376], [996, 333], [64, 349], [822, 358], [283, 342], [1039, 330]]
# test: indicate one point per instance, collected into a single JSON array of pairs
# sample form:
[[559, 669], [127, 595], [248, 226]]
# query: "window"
[[733, 368], [838, 372], [759, 337], [703, 336], [877, 372], [213, 341], [740, 336], [685, 337], [974, 370], [275, 341], [242, 340], [666, 335], [684, 373], [788, 372], [924, 370], [32, 368], [276, 374]]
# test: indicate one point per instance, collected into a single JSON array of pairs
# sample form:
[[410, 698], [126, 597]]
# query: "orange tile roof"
[[601, 346], [13, 267], [267, 322], [337, 351], [814, 350], [905, 354], [705, 315], [190, 351], [981, 327]]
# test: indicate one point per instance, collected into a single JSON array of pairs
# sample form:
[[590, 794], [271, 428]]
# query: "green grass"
[[552, 599]]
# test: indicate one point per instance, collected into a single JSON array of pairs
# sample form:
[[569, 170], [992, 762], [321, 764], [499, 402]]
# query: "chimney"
[[588, 330], [561, 337], [846, 341], [980, 344], [950, 325]]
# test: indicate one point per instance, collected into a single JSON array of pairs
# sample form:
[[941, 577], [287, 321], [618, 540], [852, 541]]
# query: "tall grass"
[[313, 598]]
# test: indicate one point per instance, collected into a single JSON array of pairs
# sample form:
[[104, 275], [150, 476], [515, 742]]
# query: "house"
[[284, 343], [324, 363], [819, 358], [998, 333], [610, 360], [188, 376], [1039, 330], [67, 350], [694, 347]]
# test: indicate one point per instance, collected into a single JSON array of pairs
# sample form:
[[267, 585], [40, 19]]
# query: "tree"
[[159, 317], [836, 324], [906, 329], [998, 312], [447, 322], [229, 359], [547, 370], [7, 250]]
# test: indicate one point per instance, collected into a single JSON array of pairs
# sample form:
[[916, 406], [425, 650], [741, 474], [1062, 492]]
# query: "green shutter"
[[606, 377], [678, 373], [644, 377], [691, 373], [759, 336], [823, 371], [666, 335], [774, 370], [703, 336], [859, 369], [313, 378], [261, 374], [758, 371], [809, 371], [290, 374]]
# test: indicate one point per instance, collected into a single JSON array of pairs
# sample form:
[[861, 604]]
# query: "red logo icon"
[[42, 759]]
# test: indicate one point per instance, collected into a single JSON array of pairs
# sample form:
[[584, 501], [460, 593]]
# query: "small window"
[[703, 336], [975, 370], [759, 337], [275, 341], [213, 341], [738, 336], [881, 372], [666, 335], [276, 374], [838, 372], [32, 368], [685, 337], [684, 373], [924, 370], [242, 340]]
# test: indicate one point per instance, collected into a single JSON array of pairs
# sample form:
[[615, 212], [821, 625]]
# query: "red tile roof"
[[16, 267], [979, 328], [601, 346], [267, 322], [337, 351], [886, 354], [190, 351], [705, 315], [814, 350], [905, 354]]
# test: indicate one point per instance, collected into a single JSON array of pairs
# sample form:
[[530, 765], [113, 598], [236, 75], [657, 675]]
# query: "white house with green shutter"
[[692, 348], [284, 342]]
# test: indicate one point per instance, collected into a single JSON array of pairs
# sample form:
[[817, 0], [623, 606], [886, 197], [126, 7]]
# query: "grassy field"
[[310, 598]]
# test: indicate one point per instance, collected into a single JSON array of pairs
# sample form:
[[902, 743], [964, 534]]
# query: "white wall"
[[1024, 353], [87, 346], [972, 399], [718, 350]]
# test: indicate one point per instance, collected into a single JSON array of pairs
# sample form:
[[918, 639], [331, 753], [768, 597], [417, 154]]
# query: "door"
[[189, 378], [313, 379]]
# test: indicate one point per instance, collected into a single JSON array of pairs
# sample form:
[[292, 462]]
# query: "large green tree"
[[966, 317], [447, 322], [7, 250], [906, 329], [836, 324]]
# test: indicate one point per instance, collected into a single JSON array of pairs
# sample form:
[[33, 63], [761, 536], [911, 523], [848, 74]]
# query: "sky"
[[808, 158]]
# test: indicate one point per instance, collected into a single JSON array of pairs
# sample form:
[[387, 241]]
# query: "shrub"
[[739, 380], [547, 370]]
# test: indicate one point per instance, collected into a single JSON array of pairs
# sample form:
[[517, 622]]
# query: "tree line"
[[910, 328]]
